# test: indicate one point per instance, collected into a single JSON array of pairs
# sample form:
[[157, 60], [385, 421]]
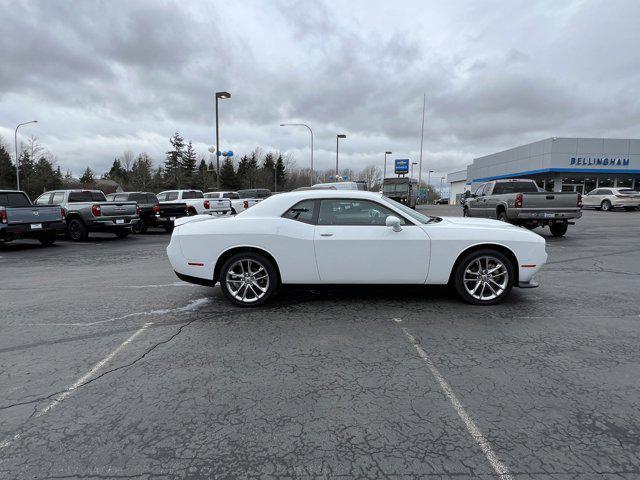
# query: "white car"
[[608, 198], [351, 237], [196, 203]]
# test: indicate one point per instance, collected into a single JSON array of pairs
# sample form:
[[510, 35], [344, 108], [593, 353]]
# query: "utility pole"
[[424, 104], [15, 139]]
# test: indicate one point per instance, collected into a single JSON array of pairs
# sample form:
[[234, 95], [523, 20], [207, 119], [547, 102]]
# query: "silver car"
[[606, 199]]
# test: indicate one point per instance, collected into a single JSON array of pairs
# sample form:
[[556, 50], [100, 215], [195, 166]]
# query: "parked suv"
[[607, 199], [88, 211]]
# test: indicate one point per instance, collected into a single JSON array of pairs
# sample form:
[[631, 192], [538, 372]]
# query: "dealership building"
[[557, 165]]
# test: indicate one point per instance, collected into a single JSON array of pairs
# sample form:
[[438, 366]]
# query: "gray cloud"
[[107, 76]]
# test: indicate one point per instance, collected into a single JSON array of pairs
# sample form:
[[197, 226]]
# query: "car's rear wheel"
[[465, 212], [558, 229], [249, 279], [48, 239], [77, 230], [484, 277], [139, 227], [502, 216], [122, 232], [605, 206]]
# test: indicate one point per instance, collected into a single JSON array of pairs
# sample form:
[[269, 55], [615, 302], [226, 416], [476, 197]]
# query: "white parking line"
[[81, 381], [499, 467]]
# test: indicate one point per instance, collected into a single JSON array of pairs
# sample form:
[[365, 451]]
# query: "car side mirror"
[[393, 222]]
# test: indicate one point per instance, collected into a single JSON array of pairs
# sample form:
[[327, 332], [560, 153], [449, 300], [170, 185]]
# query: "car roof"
[[277, 204]]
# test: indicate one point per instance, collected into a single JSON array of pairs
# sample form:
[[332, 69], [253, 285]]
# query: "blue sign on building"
[[402, 165]]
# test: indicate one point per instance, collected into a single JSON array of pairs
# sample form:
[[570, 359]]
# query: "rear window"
[[138, 197], [231, 195], [167, 196], [191, 195], [86, 196], [502, 188], [14, 199], [302, 211], [247, 193], [263, 193], [151, 198]]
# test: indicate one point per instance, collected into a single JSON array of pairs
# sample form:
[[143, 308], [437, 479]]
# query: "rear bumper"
[[529, 284], [24, 230], [546, 215], [625, 203], [110, 224], [195, 280]]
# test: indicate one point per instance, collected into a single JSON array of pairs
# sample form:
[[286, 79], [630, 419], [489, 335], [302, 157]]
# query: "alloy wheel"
[[486, 278], [247, 280]]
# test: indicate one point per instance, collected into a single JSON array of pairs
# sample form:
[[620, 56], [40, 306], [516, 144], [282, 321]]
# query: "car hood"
[[479, 223]]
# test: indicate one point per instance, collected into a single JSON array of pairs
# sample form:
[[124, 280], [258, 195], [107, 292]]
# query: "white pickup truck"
[[197, 204], [237, 204], [253, 195]]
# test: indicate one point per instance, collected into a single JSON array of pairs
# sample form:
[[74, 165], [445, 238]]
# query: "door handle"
[[326, 234]]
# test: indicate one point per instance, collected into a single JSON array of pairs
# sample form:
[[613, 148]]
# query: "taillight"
[[518, 202], [246, 204], [3, 215], [156, 208], [63, 213], [206, 204], [138, 210], [579, 200], [95, 209]]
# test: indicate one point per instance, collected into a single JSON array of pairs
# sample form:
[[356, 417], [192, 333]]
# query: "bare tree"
[[371, 175], [127, 160]]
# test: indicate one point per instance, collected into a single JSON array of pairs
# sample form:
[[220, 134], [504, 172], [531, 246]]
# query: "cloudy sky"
[[103, 77]]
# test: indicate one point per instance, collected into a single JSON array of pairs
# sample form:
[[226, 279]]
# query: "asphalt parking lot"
[[112, 368]]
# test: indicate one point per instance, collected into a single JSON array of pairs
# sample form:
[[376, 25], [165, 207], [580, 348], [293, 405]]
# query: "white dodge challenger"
[[351, 237]]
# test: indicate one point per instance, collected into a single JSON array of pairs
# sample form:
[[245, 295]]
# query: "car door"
[[353, 244], [590, 200], [473, 203]]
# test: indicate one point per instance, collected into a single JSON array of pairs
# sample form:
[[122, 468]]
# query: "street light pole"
[[441, 180], [384, 173], [222, 95], [338, 137], [412, 164], [311, 132], [428, 182], [15, 140]]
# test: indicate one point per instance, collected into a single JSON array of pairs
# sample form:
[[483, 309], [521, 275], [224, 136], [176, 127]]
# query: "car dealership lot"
[[111, 367]]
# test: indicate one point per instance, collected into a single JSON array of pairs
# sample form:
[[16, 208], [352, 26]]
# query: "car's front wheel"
[[605, 206], [484, 277], [249, 279]]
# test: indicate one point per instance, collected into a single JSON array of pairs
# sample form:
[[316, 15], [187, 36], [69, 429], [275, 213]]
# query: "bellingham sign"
[[599, 162]]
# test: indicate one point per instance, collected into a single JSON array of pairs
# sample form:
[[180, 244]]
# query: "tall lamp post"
[[219, 95], [441, 180], [338, 137], [311, 132], [15, 140], [384, 173], [412, 164], [428, 182]]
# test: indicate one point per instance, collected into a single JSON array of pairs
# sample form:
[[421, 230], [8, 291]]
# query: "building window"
[[636, 185], [589, 184], [605, 182], [540, 183], [625, 182]]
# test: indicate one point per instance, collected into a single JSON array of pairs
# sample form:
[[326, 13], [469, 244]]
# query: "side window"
[[97, 196], [499, 189], [43, 199], [58, 197], [302, 211], [486, 189], [151, 198], [354, 212], [606, 191], [120, 198]]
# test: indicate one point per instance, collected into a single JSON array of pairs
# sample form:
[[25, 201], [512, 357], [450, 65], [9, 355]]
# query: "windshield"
[[420, 218], [395, 188]]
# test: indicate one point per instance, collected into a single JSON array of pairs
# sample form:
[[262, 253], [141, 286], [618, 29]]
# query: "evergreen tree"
[[252, 169], [26, 170], [228, 179], [268, 171], [88, 179], [243, 175], [116, 173], [189, 163], [140, 177], [173, 174], [44, 177], [281, 173], [7, 169]]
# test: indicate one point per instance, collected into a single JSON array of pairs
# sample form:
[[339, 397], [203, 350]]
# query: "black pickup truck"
[[152, 212], [19, 218]]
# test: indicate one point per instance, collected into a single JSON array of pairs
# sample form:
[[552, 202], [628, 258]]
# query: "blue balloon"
[[230, 153]]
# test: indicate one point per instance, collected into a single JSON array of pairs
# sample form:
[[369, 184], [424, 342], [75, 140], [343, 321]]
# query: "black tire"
[[233, 211], [469, 261], [502, 216], [48, 239], [630, 209], [122, 232], [255, 260], [168, 227], [140, 227], [605, 206], [558, 229], [77, 230], [465, 212]]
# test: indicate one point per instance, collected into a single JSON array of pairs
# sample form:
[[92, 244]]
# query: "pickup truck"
[[196, 203], [152, 212], [237, 204], [252, 196], [19, 218], [521, 202], [88, 211]]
